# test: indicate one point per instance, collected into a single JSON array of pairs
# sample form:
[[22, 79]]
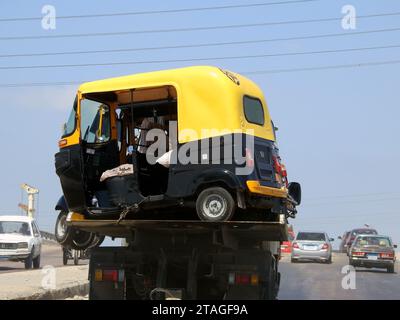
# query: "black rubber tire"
[[76, 257], [65, 257], [221, 193], [36, 262], [270, 287], [329, 261], [71, 237], [390, 269], [65, 238], [29, 261], [293, 260]]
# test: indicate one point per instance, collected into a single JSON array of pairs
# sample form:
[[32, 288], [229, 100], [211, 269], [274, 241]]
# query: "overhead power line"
[[347, 215], [331, 67], [331, 203], [197, 59], [181, 10], [340, 66], [357, 195], [212, 44], [122, 33]]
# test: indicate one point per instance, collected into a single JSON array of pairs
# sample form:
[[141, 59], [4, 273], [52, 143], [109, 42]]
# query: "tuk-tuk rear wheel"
[[215, 204]]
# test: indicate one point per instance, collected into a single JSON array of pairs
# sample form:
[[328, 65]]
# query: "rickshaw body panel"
[[209, 105]]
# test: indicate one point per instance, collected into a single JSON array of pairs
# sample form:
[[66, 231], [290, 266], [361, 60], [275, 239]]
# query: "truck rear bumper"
[[255, 187], [362, 262]]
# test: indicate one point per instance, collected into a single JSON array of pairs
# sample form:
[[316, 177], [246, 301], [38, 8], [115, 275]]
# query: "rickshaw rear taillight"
[[283, 170], [277, 165], [249, 158]]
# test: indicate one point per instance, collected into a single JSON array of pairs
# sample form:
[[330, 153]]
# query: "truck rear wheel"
[[76, 257], [271, 285], [215, 204], [65, 257]]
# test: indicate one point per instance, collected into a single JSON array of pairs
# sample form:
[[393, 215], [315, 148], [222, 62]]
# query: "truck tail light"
[[111, 275], [243, 279]]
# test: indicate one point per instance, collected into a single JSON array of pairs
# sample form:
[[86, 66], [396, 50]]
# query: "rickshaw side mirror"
[[294, 190], [395, 246]]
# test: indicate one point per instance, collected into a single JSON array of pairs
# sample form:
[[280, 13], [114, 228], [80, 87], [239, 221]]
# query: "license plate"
[[310, 248], [372, 257]]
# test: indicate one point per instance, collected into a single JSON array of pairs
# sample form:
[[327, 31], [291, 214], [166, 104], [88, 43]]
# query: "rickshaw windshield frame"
[[75, 112]]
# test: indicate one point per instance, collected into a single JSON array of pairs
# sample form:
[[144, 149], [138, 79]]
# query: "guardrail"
[[48, 236]]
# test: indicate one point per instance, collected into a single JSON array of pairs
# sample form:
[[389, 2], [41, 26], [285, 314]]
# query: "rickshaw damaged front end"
[[224, 163]]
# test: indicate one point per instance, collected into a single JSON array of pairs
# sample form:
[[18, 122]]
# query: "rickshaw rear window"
[[253, 110]]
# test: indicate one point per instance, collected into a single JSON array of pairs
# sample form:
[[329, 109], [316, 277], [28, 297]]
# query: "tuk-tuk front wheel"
[[215, 204]]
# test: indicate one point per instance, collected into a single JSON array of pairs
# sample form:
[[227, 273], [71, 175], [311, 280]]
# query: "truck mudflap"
[[249, 230]]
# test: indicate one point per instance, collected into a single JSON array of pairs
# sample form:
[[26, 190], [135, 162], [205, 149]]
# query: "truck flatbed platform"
[[254, 230]]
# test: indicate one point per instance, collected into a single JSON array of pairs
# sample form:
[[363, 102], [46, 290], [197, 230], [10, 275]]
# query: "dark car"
[[373, 251], [354, 233], [343, 243]]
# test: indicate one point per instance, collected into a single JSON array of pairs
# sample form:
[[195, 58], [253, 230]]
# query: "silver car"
[[310, 245]]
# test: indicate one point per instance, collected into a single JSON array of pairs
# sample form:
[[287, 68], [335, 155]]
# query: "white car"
[[20, 240]]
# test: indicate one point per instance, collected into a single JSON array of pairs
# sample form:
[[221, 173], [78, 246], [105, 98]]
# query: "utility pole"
[[30, 208]]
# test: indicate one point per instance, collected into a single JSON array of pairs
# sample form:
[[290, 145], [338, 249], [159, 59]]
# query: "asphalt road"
[[308, 280], [299, 281], [51, 255]]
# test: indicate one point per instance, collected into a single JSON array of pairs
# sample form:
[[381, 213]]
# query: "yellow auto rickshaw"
[[173, 144]]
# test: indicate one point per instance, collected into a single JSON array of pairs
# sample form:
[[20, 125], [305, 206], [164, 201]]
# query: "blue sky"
[[338, 129]]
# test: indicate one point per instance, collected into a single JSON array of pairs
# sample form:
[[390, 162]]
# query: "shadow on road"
[[372, 271], [10, 268]]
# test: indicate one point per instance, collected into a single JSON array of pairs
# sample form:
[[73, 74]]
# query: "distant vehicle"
[[354, 233], [343, 243], [20, 240], [373, 251], [312, 246], [286, 246]]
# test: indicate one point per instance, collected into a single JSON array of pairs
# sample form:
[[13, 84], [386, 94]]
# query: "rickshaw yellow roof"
[[208, 97], [178, 76]]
